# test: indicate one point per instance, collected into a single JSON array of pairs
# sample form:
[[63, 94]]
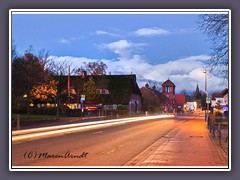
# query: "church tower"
[[168, 89], [197, 89], [197, 95]]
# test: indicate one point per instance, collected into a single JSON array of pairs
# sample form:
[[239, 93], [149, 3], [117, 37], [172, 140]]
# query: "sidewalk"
[[191, 144]]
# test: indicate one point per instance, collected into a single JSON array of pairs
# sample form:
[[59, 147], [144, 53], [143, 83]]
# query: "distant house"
[[167, 100], [221, 97], [112, 90], [177, 100], [180, 100], [153, 100]]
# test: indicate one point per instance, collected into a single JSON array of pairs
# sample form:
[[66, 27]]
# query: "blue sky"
[[155, 47]]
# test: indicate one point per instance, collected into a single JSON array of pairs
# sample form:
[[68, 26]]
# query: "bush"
[[19, 110], [217, 114], [73, 112], [121, 107]]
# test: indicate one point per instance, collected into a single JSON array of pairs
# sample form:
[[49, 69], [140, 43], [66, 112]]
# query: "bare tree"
[[155, 85], [92, 68], [43, 55], [96, 68], [14, 50], [78, 71], [216, 28], [57, 68]]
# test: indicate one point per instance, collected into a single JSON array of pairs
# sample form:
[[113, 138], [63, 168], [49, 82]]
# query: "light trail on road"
[[72, 128]]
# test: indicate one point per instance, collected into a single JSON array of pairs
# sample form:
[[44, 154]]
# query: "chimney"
[[84, 74]]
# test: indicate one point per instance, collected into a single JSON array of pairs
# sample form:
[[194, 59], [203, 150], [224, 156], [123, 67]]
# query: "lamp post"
[[205, 72]]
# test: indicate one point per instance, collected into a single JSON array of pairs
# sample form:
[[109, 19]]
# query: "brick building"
[[167, 100]]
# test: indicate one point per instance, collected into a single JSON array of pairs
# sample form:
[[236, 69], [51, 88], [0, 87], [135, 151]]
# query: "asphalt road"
[[110, 146]]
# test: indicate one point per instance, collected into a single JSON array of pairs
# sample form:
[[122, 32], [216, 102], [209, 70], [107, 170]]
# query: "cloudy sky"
[[154, 46]]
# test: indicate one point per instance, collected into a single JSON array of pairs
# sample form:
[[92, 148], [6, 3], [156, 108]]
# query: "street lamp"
[[206, 93]]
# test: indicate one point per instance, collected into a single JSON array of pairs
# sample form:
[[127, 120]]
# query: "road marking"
[[98, 132]]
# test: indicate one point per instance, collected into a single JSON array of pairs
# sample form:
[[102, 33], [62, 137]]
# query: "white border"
[[120, 168], [229, 87], [117, 11], [10, 89]]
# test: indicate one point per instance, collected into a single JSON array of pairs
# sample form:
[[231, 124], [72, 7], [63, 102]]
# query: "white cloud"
[[152, 32], [100, 32], [64, 41], [68, 40], [185, 72], [123, 48]]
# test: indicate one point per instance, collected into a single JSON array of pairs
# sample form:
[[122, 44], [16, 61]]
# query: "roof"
[[220, 95], [168, 83], [224, 92], [180, 99], [154, 96], [120, 87], [216, 95]]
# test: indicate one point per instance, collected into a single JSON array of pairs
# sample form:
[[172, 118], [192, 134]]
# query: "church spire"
[[197, 89]]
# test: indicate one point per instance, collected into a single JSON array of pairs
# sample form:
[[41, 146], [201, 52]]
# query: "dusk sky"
[[152, 46]]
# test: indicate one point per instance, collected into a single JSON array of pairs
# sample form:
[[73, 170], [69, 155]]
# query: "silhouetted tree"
[[216, 27], [92, 68], [27, 71], [90, 91]]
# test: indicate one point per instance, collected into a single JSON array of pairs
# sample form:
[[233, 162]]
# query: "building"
[[197, 97], [167, 101], [154, 100], [221, 97], [111, 90], [177, 101]]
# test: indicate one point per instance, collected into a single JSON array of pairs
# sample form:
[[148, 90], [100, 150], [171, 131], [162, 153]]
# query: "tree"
[[96, 68], [57, 68], [90, 91], [14, 50], [27, 71], [156, 85], [57, 71], [216, 28], [45, 91]]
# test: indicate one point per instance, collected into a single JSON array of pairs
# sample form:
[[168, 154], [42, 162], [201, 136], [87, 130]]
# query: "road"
[[105, 146]]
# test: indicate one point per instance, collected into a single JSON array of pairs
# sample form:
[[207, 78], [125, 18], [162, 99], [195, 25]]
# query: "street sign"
[[82, 97], [114, 106], [208, 100]]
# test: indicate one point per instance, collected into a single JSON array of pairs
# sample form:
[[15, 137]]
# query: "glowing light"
[[71, 128]]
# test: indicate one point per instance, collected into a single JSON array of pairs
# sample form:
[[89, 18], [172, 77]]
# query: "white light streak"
[[71, 128]]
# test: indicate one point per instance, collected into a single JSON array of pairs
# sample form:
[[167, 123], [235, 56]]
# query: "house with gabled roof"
[[166, 100], [112, 90], [221, 97], [154, 100]]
